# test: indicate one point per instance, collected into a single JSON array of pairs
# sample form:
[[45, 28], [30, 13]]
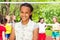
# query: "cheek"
[[27, 15]]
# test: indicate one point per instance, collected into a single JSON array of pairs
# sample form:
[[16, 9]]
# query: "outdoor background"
[[30, 0], [47, 11]]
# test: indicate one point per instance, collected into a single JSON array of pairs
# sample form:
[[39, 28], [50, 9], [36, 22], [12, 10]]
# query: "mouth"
[[23, 17]]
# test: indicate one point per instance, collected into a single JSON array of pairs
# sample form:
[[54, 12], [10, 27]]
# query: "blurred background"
[[45, 10], [30, 0]]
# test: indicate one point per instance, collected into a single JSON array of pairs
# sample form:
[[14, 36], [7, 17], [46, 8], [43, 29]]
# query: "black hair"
[[3, 20], [27, 5], [1, 17], [40, 19]]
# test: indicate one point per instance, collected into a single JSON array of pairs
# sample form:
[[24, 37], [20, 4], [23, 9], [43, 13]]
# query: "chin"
[[23, 19]]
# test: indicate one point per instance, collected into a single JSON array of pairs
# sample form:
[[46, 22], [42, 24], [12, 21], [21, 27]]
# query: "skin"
[[42, 21], [3, 33], [8, 18], [55, 21], [13, 17], [25, 16]]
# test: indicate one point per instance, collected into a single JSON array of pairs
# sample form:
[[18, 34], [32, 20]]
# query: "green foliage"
[[1, 0], [47, 11], [30, 0]]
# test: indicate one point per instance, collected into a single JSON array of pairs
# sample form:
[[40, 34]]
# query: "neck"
[[55, 22], [25, 22], [41, 22], [12, 21]]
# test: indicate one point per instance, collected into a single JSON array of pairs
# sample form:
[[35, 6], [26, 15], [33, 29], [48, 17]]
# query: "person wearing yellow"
[[8, 27]]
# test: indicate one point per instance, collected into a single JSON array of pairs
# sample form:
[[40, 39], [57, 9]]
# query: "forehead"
[[7, 16], [25, 8]]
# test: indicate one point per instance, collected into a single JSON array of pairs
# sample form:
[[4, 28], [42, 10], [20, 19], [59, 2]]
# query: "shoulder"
[[2, 28], [32, 23], [35, 25], [18, 24]]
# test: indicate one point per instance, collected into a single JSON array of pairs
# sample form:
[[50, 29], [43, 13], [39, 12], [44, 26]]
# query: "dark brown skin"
[[35, 34]]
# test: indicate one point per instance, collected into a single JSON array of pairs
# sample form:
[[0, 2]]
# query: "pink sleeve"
[[4, 29]]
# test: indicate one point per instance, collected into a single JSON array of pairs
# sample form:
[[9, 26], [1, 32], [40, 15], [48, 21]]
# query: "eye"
[[26, 12], [22, 12]]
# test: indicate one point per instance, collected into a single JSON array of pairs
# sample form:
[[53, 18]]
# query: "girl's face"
[[8, 18], [25, 13], [54, 20], [13, 17], [42, 20]]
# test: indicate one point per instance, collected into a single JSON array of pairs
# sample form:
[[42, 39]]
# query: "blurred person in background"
[[8, 27], [41, 27], [13, 20], [3, 22], [55, 29]]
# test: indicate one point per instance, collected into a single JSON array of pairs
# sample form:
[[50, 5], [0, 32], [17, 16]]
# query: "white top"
[[55, 26], [24, 32], [13, 23], [41, 27]]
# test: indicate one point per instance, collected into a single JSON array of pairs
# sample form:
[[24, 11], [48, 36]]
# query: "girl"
[[8, 27], [55, 29], [2, 28], [42, 26], [13, 18], [25, 29]]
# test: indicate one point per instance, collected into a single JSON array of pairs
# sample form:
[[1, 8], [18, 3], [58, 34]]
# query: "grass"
[[48, 32]]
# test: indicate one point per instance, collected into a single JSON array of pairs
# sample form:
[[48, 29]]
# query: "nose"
[[24, 14]]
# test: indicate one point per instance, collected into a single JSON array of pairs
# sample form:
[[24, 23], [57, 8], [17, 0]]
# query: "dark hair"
[[3, 20], [40, 19], [27, 5], [1, 17]]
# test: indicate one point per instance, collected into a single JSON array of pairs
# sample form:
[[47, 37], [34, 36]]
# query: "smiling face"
[[25, 13]]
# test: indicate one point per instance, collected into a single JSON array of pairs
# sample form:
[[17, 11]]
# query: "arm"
[[3, 35], [45, 26], [12, 35], [35, 34]]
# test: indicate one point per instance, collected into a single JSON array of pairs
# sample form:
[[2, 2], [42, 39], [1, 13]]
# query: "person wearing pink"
[[2, 28]]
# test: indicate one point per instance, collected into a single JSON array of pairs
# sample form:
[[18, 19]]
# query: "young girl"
[[55, 29], [2, 28], [42, 26], [8, 27], [13, 18], [25, 29]]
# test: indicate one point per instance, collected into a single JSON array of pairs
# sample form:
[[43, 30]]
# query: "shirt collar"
[[27, 23]]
